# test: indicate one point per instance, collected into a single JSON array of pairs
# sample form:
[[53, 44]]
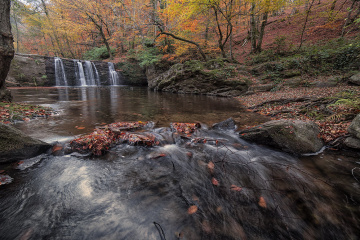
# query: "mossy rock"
[[215, 64], [14, 145]]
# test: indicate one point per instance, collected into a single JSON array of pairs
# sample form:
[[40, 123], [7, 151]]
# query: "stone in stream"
[[354, 129], [14, 145], [296, 137], [228, 124]]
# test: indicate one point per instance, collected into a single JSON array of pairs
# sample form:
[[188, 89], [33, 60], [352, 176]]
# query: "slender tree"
[[6, 47]]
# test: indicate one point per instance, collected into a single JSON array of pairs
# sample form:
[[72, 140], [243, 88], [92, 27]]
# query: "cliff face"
[[34, 70]]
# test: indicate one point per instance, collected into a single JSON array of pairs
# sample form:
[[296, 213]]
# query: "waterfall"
[[97, 77], [113, 75], [60, 76], [81, 79], [90, 78], [84, 73]]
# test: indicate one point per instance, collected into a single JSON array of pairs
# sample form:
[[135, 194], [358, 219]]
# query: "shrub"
[[98, 53], [148, 56]]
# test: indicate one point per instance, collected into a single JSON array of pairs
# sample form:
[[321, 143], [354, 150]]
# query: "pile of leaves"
[[185, 128], [11, 112], [104, 137]]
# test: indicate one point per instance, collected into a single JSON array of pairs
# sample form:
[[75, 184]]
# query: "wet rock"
[[228, 124], [355, 79], [352, 142], [14, 145], [296, 137], [354, 128]]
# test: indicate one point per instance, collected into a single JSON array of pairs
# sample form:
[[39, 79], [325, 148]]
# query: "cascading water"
[[81, 79], [90, 78], [113, 75], [60, 76], [97, 76], [85, 73]]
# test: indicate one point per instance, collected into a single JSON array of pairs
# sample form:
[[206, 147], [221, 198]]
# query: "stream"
[[215, 186]]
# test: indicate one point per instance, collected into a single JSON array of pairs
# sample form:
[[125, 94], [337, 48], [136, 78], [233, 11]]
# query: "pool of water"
[[221, 188]]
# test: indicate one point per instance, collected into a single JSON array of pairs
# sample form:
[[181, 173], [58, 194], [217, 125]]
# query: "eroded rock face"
[[296, 137], [14, 145]]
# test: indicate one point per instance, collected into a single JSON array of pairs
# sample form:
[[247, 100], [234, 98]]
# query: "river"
[[224, 188]]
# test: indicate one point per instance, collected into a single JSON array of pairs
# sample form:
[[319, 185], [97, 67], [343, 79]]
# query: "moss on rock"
[[14, 145]]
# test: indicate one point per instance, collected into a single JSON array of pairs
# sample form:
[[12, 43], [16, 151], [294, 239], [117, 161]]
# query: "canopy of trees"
[[69, 28]]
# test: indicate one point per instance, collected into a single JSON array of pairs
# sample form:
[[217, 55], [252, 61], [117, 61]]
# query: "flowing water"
[[215, 186]]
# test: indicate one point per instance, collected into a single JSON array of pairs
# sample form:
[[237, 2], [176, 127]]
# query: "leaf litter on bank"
[[333, 120]]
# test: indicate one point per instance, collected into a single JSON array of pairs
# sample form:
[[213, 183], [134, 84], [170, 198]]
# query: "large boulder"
[[296, 137], [199, 78], [14, 145]]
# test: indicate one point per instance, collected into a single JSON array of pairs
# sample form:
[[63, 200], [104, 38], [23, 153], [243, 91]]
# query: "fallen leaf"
[[211, 166], [189, 154], [235, 188], [262, 202], [214, 182], [159, 156], [80, 128], [56, 148], [192, 209], [21, 162], [1, 171]]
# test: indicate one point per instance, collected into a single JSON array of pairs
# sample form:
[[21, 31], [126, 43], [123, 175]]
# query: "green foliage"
[[148, 56], [98, 53]]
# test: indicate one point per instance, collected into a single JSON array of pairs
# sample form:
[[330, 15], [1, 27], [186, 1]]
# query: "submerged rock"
[[290, 136], [14, 145], [228, 124]]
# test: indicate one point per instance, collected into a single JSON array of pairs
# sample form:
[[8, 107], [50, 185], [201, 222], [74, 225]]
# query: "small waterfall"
[[113, 75], [97, 76], [90, 78], [60, 76], [81, 79]]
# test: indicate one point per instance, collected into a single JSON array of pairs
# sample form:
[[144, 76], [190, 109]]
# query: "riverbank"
[[331, 108]]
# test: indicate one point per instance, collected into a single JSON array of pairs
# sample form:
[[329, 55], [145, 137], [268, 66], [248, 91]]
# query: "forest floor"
[[332, 108]]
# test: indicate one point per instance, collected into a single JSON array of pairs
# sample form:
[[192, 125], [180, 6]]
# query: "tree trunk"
[[253, 28], [6, 47], [262, 32]]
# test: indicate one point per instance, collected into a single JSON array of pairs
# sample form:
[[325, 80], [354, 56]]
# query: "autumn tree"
[[6, 47]]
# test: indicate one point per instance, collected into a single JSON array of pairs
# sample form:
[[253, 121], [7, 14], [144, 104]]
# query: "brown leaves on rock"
[[5, 179], [211, 167], [185, 128], [104, 137]]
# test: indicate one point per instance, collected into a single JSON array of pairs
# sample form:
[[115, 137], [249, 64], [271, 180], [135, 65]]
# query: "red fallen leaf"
[[80, 128], [192, 209], [262, 202], [235, 188], [159, 156], [1, 171], [26, 119], [214, 182], [56, 148], [211, 166], [189, 154], [21, 162]]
